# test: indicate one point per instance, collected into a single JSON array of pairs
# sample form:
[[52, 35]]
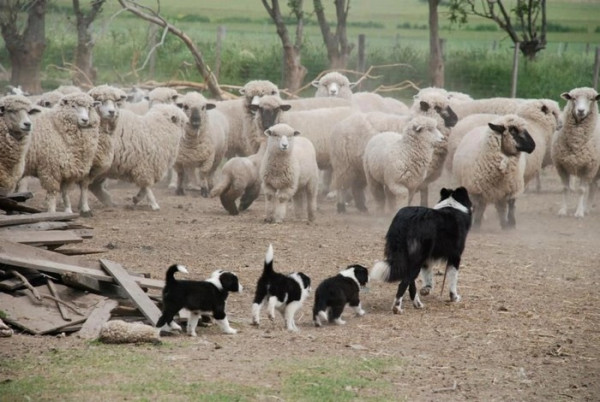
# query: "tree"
[[25, 48], [85, 73], [294, 71], [338, 48], [529, 31], [155, 18], [436, 60]]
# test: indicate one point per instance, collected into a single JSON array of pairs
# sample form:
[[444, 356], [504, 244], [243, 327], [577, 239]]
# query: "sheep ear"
[[122, 98], [424, 106], [34, 110], [2, 110], [253, 107], [497, 128], [545, 109], [418, 128], [96, 103], [268, 132], [296, 133], [242, 91], [566, 95], [285, 107], [315, 84], [64, 101], [179, 105], [210, 106], [597, 97], [352, 84]]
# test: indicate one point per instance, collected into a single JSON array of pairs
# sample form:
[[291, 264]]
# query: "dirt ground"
[[527, 328]]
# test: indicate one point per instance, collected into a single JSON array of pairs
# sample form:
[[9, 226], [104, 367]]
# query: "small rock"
[[111, 246]]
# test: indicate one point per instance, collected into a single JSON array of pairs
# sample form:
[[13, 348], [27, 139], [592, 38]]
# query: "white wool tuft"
[[380, 271]]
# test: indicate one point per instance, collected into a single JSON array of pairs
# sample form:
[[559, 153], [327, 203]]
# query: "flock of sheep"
[[295, 149]]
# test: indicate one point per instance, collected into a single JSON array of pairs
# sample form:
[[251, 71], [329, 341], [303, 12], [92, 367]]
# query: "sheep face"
[[15, 111], [253, 91], [333, 84], [195, 107], [109, 100], [268, 114], [162, 95], [282, 135], [581, 102], [514, 137], [426, 128], [136, 94], [444, 111], [79, 108]]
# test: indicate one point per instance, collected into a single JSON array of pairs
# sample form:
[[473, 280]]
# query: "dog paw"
[[255, 323], [339, 321], [418, 304], [193, 334], [397, 310], [175, 326], [425, 291], [360, 313], [454, 297], [231, 331]]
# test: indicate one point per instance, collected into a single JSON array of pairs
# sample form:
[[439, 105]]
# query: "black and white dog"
[[335, 292], [419, 236], [200, 297], [286, 293]]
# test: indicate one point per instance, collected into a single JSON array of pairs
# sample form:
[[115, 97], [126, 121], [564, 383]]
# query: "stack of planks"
[[47, 288]]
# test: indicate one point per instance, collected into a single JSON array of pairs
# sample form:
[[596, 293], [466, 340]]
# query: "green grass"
[[125, 372]]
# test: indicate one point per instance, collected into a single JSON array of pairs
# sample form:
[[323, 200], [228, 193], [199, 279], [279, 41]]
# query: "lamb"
[[69, 89], [576, 147], [15, 129], [240, 116], [146, 146], [349, 138], [49, 99], [63, 145], [159, 95], [288, 170], [109, 100], [497, 105], [204, 141], [333, 84], [119, 331], [394, 162], [489, 163]]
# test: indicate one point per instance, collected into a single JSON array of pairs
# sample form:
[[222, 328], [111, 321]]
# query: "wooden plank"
[[23, 256], [44, 238], [84, 233], [19, 197], [137, 295], [93, 285], [9, 205], [37, 226], [100, 315], [79, 251], [61, 308], [41, 217]]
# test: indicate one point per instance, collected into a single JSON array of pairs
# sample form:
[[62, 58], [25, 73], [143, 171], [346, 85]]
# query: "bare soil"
[[527, 328]]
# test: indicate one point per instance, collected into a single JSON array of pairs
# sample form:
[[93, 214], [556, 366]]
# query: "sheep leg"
[[249, 196], [511, 220], [391, 199], [64, 190], [84, 208], [478, 209], [584, 189], [591, 195], [173, 178], [51, 201], [179, 176], [151, 199], [311, 201], [378, 196], [269, 204], [299, 203], [97, 187], [358, 193], [501, 209], [341, 202], [281, 205], [424, 192], [564, 178]]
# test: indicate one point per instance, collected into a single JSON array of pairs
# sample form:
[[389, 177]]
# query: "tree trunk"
[[85, 74], [294, 70], [26, 50], [338, 48], [436, 61]]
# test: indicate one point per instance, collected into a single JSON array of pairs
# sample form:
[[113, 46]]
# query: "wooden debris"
[[41, 217], [90, 284], [18, 197], [98, 317], [26, 283], [37, 226], [79, 251], [63, 313], [44, 238], [9, 205], [137, 295]]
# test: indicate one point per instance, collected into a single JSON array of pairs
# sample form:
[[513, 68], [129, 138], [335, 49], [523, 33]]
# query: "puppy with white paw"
[[284, 293], [200, 297], [334, 293]]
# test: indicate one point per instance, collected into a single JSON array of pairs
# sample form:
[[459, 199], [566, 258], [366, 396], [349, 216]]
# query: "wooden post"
[[596, 67], [361, 62], [220, 36], [152, 41], [515, 72]]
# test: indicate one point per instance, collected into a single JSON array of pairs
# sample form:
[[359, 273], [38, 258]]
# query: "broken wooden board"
[[99, 316], [23, 256], [137, 295], [90, 284], [41, 217], [9, 205], [42, 317], [43, 238], [79, 251], [55, 225]]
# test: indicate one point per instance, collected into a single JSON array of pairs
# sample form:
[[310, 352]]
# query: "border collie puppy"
[[200, 297], [419, 236], [286, 293], [335, 292]]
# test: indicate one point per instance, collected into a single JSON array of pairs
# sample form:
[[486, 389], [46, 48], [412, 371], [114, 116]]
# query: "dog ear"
[[462, 195], [305, 280], [445, 193], [227, 281]]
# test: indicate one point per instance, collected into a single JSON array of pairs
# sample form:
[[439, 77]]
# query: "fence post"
[[515, 72], [152, 41], [220, 36], [596, 67]]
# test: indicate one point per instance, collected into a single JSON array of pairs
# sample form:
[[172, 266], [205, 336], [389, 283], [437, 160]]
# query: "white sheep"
[[576, 147], [239, 116], [496, 105], [489, 163], [63, 144], [145, 147], [240, 180], [333, 84], [159, 95], [49, 99], [69, 89], [119, 331], [395, 163], [15, 128], [288, 170], [108, 102]]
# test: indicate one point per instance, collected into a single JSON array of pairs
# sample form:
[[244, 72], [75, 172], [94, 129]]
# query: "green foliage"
[[193, 18]]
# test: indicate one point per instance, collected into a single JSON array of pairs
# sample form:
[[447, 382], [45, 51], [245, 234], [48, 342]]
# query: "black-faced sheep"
[[576, 147], [288, 170], [489, 163]]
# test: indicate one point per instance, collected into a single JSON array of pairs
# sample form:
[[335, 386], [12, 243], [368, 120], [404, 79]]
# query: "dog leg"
[[192, 323], [397, 306], [289, 313], [359, 311], [414, 296], [224, 325], [321, 315], [256, 312], [271, 307], [427, 275], [173, 325], [339, 321], [453, 279]]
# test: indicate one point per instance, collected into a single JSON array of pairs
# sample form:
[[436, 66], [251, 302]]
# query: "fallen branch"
[[26, 283], [61, 310]]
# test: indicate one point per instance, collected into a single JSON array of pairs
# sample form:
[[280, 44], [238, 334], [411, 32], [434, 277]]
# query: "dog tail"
[[170, 278], [381, 271], [320, 311], [268, 269]]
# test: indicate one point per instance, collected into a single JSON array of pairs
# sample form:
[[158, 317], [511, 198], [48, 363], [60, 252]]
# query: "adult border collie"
[[200, 297], [417, 237], [286, 293], [335, 292]]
